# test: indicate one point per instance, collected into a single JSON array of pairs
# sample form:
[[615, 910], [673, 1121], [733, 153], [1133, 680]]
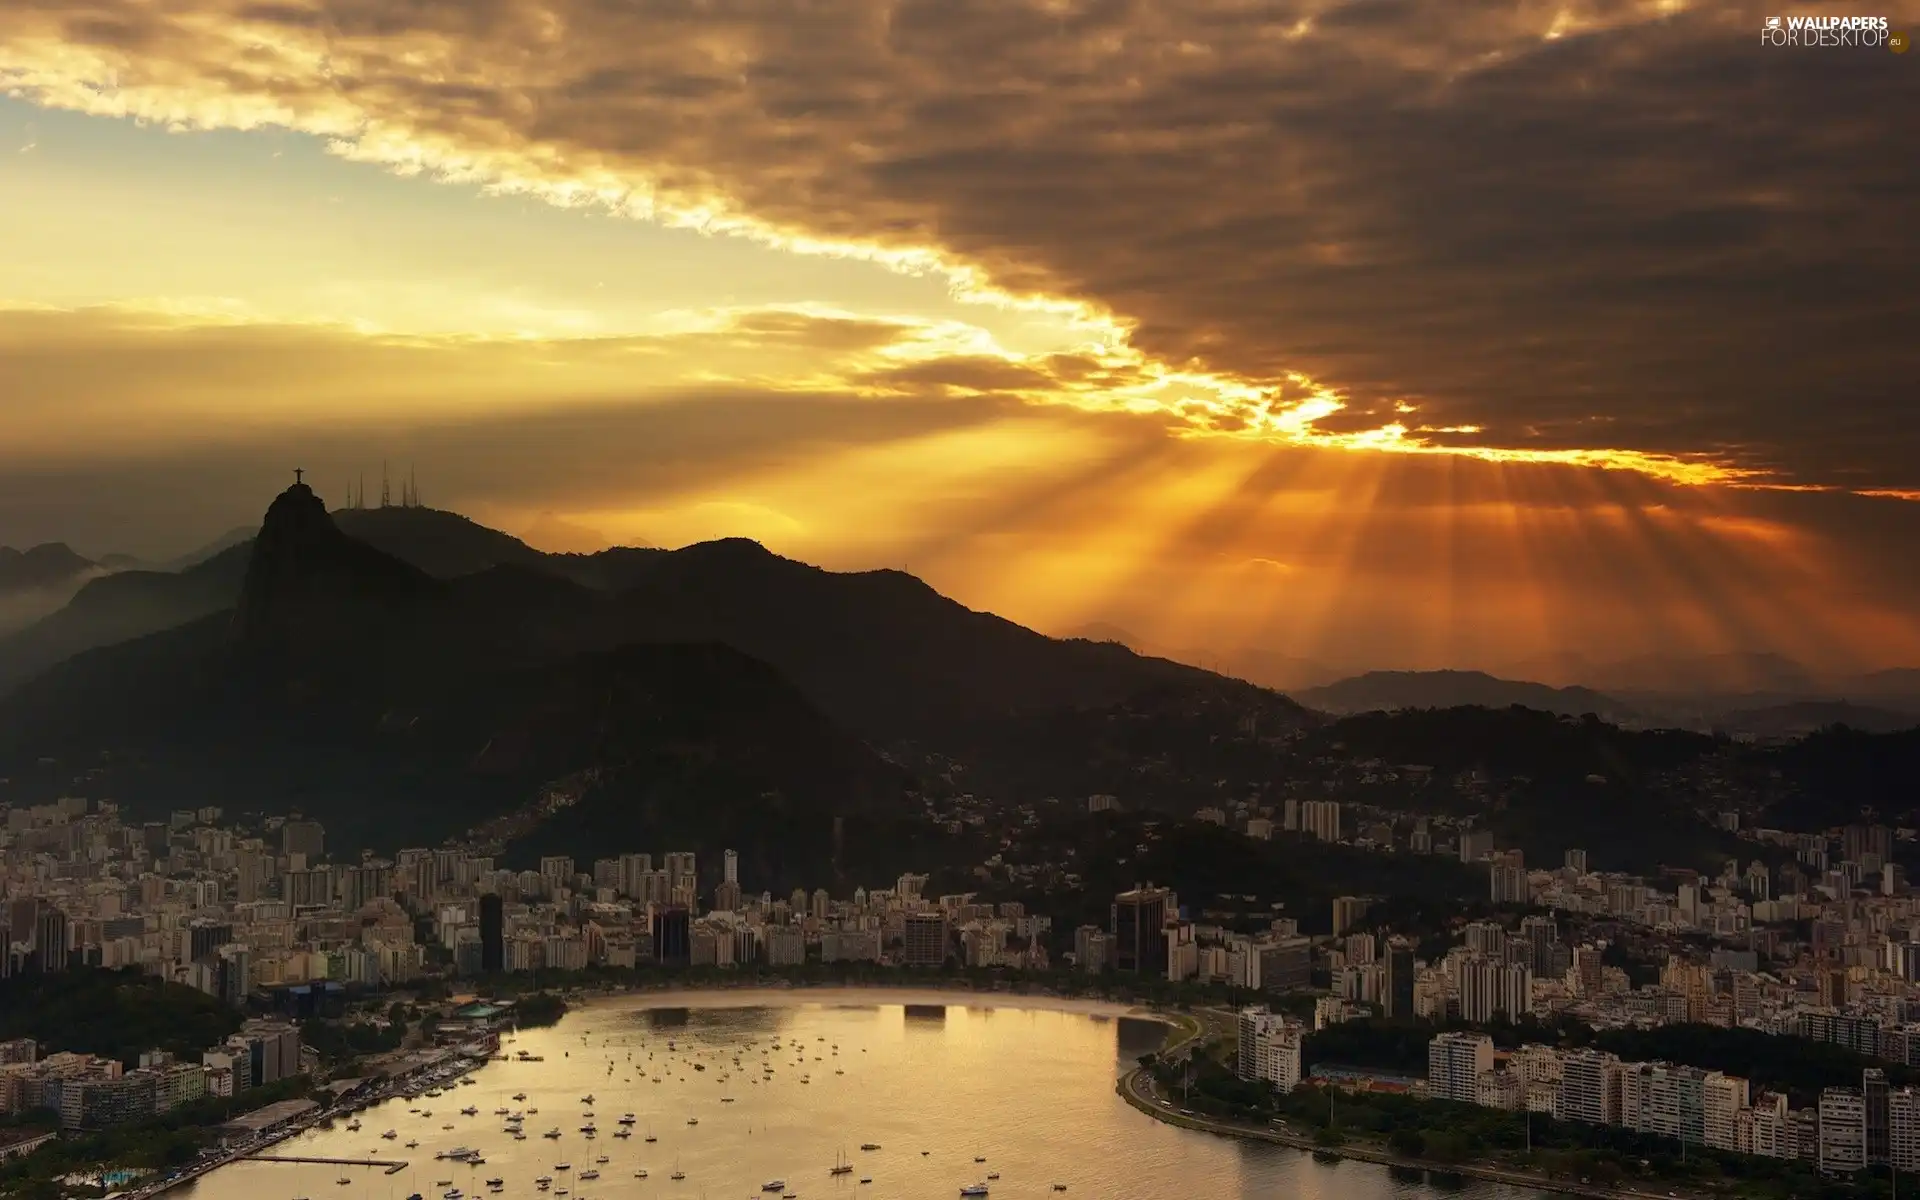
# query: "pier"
[[393, 1167]]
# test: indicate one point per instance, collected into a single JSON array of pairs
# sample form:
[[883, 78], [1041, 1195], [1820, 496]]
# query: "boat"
[[774, 1185], [496, 1183], [563, 1166], [840, 1165], [693, 1120], [978, 1189], [869, 1145], [623, 1133], [640, 1174], [413, 1145], [602, 1160], [551, 1133], [587, 1099], [1059, 1187], [589, 1173], [627, 1119], [991, 1175], [518, 1096], [353, 1126]]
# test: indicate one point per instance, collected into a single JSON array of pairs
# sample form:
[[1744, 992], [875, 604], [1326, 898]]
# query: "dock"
[[393, 1166]]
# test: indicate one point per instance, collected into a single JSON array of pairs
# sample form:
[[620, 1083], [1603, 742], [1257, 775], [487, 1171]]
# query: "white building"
[[1843, 1131], [1455, 1062]]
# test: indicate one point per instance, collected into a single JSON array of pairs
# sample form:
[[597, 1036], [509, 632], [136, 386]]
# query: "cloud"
[[1612, 232], [1006, 499]]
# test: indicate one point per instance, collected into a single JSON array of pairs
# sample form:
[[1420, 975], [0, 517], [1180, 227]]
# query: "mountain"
[[41, 568], [440, 543], [1389, 690], [1806, 716], [130, 603], [879, 651], [402, 708], [239, 535], [1267, 668], [114, 608]]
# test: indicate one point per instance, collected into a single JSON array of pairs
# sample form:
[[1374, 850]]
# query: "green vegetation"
[[1798, 1066], [539, 1008], [1542, 782], [168, 1141], [1237, 881], [339, 1043], [113, 1013]]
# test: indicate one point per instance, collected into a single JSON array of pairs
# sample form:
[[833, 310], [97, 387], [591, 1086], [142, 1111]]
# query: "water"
[[1029, 1089]]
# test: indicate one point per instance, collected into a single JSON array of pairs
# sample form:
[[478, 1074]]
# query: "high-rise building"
[[1475, 844], [673, 936], [1903, 1129], [1139, 923], [1843, 1131], [305, 838], [493, 934], [1398, 999], [1092, 948], [1269, 1048], [50, 948], [1577, 861], [1489, 989], [1507, 882], [1348, 911], [1455, 1062], [1589, 1088], [924, 939], [1321, 818], [1873, 1086], [730, 867]]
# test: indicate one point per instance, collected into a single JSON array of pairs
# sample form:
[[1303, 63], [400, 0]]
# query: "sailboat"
[[677, 1172], [840, 1165]]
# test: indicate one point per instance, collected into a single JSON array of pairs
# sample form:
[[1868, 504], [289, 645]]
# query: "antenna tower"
[[386, 489]]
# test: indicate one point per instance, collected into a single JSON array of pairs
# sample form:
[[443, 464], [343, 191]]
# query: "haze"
[[1378, 334]]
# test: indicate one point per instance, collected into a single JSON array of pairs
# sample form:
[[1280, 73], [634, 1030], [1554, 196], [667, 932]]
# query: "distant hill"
[[1390, 690], [1806, 716], [1267, 668], [42, 567], [402, 708], [879, 650], [710, 691], [114, 608]]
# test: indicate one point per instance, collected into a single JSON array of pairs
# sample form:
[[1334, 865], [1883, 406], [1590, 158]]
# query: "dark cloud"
[[1647, 233]]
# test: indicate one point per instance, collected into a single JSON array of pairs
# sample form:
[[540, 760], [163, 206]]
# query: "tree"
[[1407, 1142]]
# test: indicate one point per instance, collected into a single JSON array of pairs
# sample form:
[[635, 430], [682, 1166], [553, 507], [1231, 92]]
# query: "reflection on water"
[[785, 1084]]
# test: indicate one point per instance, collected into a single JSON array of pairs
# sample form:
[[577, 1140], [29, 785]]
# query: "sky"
[[1382, 333]]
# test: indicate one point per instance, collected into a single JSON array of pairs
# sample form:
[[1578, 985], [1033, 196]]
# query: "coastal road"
[[1139, 1090]]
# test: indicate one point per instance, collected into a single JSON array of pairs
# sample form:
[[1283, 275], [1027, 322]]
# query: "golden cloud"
[[1598, 233]]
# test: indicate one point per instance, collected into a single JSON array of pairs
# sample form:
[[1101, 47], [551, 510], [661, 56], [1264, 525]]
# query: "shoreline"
[[1129, 1090], [745, 995]]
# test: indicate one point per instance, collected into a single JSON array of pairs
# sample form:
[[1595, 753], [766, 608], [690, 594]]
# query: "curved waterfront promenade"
[[1136, 1087]]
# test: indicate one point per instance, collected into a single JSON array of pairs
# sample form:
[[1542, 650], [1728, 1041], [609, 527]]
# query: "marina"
[[939, 1092]]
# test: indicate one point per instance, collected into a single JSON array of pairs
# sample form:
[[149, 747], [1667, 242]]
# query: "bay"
[[935, 1081]]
